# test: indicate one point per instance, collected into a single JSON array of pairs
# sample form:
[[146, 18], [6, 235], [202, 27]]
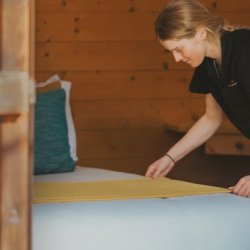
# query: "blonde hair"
[[181, 19]]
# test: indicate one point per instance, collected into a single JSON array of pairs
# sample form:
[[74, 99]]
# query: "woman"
[[221, 56]]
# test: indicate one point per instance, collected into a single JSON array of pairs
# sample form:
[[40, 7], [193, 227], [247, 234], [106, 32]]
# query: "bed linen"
[[206, 222], [141, 188]]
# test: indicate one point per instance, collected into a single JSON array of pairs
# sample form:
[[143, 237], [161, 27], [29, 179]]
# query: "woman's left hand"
[[242, 188]]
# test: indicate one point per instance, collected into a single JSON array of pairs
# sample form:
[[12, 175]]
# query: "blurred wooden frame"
[[16, 122]]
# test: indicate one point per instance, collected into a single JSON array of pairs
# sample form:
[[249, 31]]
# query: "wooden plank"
[[212, 5], [105, 26], [15, 168], [228, 128], [120, 85], [172, 114], [228, 5], [79, 5], [136, 5], [14, 90], [128, 89], [15, 175], [19, 47], [32, 38], [228, 144], [115, 114], [238, 18], [121, 143], [173, 125], [82, 56]]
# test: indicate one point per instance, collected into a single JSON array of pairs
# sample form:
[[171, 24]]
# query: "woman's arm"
[[200, 132]]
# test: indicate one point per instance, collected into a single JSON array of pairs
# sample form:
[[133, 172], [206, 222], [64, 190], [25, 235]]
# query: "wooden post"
[[16, 100]]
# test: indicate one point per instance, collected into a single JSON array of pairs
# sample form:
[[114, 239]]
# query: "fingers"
[[242, 188], [158, 172], [159, 168], [238, 186], [165, 172], [245, 193], [163, 168], [151, 170]]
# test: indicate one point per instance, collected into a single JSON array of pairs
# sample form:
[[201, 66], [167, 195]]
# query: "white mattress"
[[85, 174], [207, 222]]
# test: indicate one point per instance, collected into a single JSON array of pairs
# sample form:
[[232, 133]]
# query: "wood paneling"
[[228, 144], [15, 185], [121, 143], [83, 6], [115, 114], [105, 26], [227, 5], [135, 5], [78, 56], [20, 47], [237, 18], [122, 79], [120, 85]]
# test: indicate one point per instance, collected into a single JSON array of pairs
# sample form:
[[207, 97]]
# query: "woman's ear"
[[201, 33]]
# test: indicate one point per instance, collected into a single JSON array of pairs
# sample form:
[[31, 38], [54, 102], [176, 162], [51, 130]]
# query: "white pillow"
[[70, 123]]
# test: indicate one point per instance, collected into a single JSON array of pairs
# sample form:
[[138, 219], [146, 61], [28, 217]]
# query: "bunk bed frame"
[[16, 101]]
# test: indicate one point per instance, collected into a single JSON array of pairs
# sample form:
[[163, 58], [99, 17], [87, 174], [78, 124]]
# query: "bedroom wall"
[[126, 87]]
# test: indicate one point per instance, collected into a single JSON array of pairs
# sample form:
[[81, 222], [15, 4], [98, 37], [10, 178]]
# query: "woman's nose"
[[177, 56]]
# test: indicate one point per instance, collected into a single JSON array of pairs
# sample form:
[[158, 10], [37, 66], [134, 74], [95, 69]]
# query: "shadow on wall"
[[215, 170]]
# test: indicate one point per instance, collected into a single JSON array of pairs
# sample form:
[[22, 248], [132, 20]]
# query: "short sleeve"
[[200, 80]]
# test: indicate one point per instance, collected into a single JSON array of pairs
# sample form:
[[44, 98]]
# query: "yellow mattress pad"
[[46, 192]]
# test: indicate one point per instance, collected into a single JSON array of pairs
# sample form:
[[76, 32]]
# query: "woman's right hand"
[[160, 168]]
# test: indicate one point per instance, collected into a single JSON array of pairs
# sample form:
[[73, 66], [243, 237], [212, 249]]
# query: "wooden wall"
[[126, 87]]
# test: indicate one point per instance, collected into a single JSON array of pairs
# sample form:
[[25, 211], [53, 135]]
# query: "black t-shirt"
[[229, 83]]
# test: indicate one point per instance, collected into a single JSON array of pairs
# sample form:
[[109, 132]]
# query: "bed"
[[202, 222]]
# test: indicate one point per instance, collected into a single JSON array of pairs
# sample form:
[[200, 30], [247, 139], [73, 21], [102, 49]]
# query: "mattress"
[[203, 222]]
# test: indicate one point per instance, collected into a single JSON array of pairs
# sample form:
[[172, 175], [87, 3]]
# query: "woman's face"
[[189, 50]]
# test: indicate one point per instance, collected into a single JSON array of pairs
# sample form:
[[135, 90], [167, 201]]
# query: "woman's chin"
[[194, 64], [191, 64]]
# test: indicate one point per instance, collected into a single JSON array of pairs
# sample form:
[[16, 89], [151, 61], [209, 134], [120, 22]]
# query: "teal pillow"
[[52, 150]]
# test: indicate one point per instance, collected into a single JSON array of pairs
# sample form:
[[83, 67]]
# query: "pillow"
[[71, 128], [53, 86], [52, 150]]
